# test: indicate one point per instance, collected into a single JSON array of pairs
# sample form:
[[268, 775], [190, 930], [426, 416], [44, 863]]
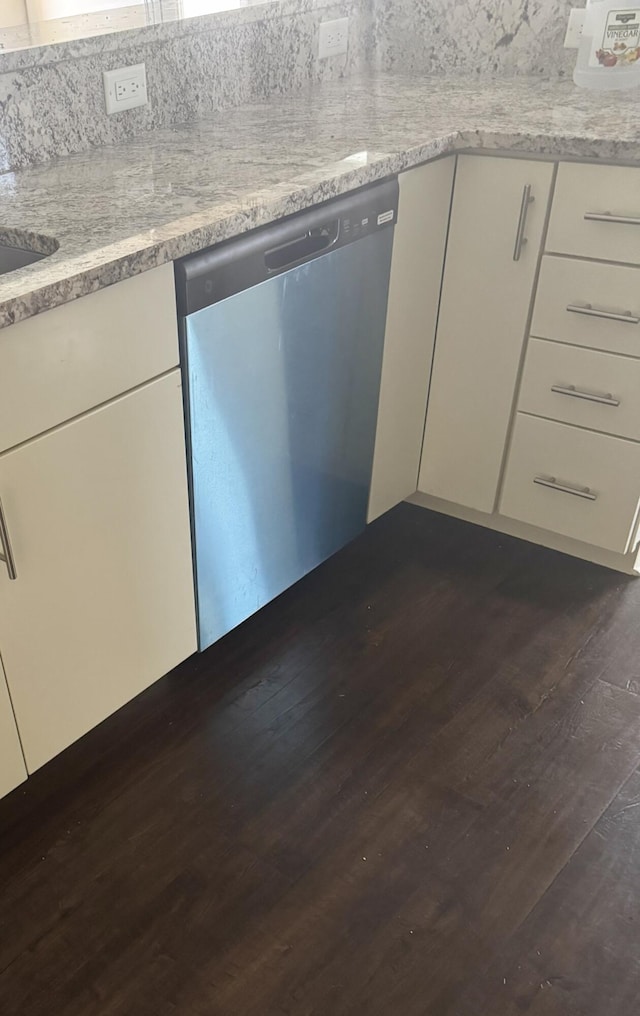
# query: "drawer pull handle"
[[627, 317], [6, 555], [527, 199], [564, 488], [625, 220], [603, 400]]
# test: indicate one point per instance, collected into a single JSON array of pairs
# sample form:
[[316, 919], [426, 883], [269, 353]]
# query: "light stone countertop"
[[118, 211]]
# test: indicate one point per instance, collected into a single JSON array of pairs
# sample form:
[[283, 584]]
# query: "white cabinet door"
[[102, 606], [488, 280], [414, 293], [12, 767]]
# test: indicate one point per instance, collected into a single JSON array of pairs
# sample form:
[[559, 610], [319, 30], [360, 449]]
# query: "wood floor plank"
[[313, 817], [614, 649], [483, 885], [237, 744], [577, 952], [534, 645], [566, 769]]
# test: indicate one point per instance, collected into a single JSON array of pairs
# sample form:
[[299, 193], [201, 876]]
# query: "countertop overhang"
[[118, 211]]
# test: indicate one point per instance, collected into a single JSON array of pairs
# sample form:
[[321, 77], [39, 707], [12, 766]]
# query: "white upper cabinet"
[[414, 293], [497, 222], [96, 512]]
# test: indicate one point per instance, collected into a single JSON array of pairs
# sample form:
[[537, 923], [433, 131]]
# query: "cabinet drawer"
[[72, 358], [603, 471], [594, 292], [582, 387], [596, 212]]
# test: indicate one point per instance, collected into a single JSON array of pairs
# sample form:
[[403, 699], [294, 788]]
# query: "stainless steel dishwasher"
[[281, 337]]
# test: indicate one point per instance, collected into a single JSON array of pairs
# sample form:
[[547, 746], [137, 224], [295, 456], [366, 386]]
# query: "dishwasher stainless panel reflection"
[[282, 335]]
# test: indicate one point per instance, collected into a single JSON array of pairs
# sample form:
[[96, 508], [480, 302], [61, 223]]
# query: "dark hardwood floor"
[[409, 786]]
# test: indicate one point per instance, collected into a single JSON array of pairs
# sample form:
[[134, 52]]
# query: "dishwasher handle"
[[315, 241], [238, 264]]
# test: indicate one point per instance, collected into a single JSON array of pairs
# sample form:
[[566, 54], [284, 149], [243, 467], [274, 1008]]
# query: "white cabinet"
[[573, 482], [414, 293], [588, 303], [102, 605], [12, 767], [533, 415], [492, 256], [582, 387], [73, 358], [596, 212], [582, 369]]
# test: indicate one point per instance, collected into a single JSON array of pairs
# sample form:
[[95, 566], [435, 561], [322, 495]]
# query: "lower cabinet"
[[583, 387], [497, 221], [533, 412], [96, 512], [414, 295], [12, 767], [573, 482]]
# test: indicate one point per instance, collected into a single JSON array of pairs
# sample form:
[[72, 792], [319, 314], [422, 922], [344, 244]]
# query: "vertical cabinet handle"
[[527, 199], [6, 556]]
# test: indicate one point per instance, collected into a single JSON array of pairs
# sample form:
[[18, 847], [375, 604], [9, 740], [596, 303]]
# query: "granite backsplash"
[[56, 106], [52, 103], [473, 36]]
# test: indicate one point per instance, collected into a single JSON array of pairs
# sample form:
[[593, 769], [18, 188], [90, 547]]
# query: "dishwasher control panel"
[[234, 265]]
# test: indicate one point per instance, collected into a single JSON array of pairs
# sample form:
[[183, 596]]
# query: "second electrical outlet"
[[125, 88], [334, 37]]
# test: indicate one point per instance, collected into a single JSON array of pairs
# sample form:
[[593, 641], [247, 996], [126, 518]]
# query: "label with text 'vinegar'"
[[618, 44]]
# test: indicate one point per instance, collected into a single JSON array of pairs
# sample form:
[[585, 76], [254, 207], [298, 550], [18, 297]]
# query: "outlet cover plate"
[[574, 28], [334, 38], [125, 88]]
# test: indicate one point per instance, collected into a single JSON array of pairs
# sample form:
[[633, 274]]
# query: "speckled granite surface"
[[51, 97], [55, 106], [73, 36], [465, 36], [121, 210]]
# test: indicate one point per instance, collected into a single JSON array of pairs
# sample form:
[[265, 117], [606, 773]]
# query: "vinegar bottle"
[[609, 51]]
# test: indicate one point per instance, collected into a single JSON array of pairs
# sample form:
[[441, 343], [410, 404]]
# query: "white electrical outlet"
[[334, 37], [125, 88], [574, 28]]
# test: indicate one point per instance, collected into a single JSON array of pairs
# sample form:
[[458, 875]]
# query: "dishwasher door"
[[282, 384]]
